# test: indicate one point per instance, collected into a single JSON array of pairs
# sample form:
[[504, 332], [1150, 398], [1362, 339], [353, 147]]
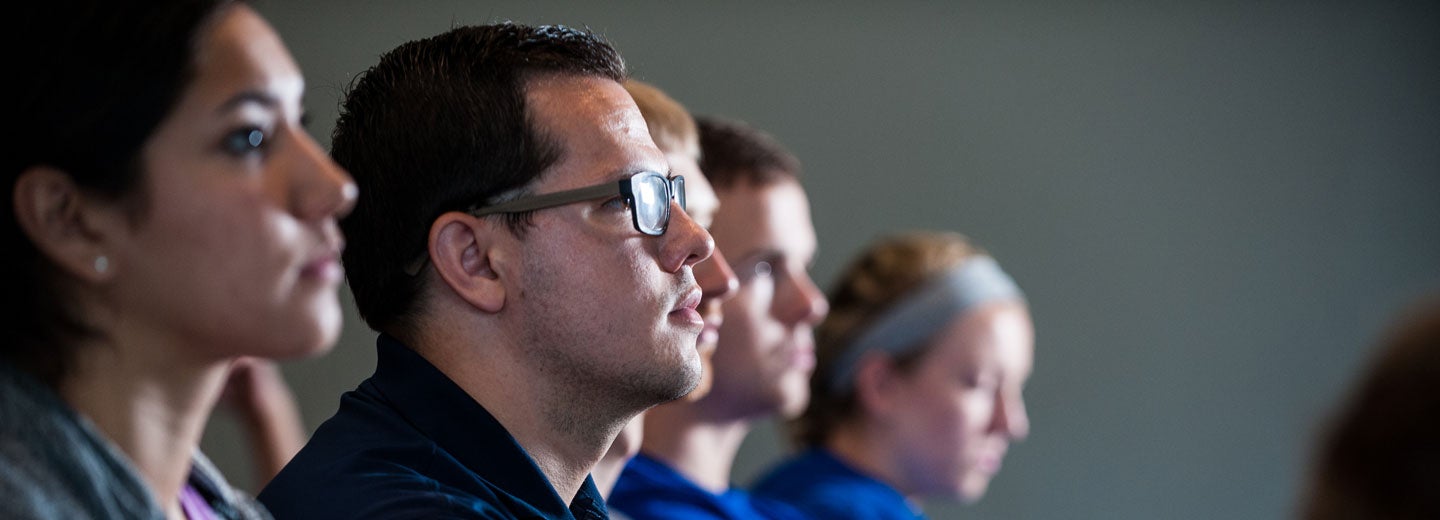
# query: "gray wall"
[[1216, 208]]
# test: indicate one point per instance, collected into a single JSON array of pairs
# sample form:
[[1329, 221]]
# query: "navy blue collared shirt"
[[409, 443], [823, 486], [650, 490]]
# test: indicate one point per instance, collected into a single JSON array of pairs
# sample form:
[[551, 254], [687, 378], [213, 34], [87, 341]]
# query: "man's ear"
[[876, 384], [463, 249], [68, 227]]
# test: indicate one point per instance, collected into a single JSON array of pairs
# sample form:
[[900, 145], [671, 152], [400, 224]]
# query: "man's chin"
[[707, 380], [686, 381]]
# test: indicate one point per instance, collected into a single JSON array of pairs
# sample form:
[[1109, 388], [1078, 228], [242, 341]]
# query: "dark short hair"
[[734, 153], [438, 125], [96, 80]]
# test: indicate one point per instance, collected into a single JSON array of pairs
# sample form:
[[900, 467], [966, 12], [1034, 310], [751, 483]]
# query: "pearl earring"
[[102, 264]]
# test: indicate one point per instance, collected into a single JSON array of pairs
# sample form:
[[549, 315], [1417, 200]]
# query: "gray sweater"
[[55, 465]]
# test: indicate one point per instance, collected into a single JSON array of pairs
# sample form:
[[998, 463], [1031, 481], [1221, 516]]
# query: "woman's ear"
[[464, 250], [69, 228], [876, 384]]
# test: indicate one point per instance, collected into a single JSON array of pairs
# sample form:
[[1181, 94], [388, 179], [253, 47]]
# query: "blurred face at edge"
[[951, 419], [766, 348]]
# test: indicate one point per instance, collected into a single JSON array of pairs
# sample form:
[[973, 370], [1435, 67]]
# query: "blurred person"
[[1381, 457], [167, 214], [917, 390], [527, 260], [766, 347], [675, 133], [258, 397]]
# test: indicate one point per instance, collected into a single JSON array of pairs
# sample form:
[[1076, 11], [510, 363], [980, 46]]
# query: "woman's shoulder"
[[54, 465]]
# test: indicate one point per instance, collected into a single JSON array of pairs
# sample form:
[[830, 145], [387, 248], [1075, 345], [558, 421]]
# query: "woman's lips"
[[990, 464], [325, 268]]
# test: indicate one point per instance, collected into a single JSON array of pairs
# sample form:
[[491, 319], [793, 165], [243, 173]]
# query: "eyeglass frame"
[[674, 190]]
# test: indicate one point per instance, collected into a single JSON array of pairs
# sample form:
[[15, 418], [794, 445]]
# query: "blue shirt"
[[824, 487], [409, 443], [650, 490]]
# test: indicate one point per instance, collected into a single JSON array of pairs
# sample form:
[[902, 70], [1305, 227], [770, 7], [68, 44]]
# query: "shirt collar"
[[822, 460], [442, 411]]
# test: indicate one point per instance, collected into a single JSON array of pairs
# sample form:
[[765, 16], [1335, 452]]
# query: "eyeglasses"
[[648, 194]]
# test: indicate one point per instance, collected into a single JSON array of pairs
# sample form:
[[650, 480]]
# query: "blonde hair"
[[671, 126], [884, 273]]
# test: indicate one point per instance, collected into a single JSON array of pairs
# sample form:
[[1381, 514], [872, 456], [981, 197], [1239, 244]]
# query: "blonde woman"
[[917, 387]]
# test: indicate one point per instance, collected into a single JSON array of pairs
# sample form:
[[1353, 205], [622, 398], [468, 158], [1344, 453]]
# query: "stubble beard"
[[564, 344]]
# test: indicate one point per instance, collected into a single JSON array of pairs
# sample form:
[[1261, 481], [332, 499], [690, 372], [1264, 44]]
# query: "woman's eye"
[[244, 141]]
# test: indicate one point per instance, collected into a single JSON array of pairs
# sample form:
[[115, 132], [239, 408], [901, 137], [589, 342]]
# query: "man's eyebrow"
[[620, 174], [249, 96]]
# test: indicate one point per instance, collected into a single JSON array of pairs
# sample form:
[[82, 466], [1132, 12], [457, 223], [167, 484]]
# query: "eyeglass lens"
[[652, 203]]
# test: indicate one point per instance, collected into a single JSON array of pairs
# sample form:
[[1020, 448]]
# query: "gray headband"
[[918, 316]]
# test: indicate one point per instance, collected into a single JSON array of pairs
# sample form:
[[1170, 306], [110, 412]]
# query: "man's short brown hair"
[[734, 153]]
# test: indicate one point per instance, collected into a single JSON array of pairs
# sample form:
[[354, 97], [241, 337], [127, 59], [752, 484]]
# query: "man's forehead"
[[590, 100], [772, 219], [596, 124]]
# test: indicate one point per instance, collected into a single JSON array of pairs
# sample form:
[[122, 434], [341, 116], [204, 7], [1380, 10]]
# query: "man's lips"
[[803, 358], [710, 310], [685, 309]]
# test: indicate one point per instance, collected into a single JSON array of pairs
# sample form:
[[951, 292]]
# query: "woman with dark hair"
[[917, 385], [167, 215]]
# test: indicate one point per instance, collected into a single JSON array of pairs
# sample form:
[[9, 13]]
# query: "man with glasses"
[[766, 346], [524, 252]]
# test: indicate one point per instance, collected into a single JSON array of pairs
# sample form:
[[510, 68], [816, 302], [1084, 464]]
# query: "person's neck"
[[695, 443], [858, 448], [563, 432], [150, 396], [607, 471]]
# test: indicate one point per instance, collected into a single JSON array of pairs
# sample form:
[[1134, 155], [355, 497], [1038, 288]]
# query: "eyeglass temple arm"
[[525, 204], [547, 200]]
